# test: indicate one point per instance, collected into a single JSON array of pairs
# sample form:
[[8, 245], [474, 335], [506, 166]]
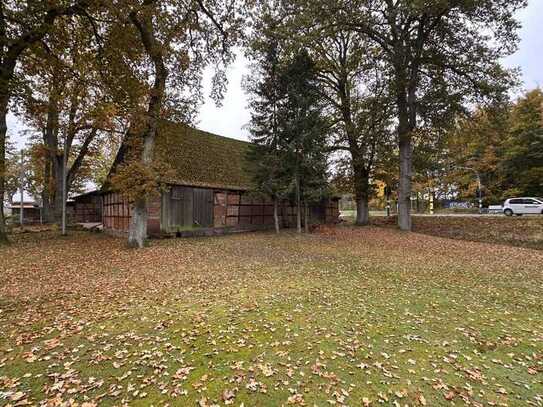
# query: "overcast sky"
[[229, 119]]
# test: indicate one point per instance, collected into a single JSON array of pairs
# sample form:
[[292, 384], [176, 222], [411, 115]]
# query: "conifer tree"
[[267, 152], [304, 133]]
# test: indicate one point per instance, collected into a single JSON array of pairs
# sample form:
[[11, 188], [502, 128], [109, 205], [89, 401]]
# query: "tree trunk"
[[362, 193], [306, 217], [276, 214], [138, 224], [404, 191], [406, 86], [53, 180], [47, 215], [362, 211], [3, 130], [57, 200], [406, 124], [137, 232], [298, 206]]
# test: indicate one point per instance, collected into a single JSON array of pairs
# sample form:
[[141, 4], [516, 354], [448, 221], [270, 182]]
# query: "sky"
[[231, 118]]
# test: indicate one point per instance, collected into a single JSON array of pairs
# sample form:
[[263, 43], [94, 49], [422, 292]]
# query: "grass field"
[[526, 231], [344, 316]]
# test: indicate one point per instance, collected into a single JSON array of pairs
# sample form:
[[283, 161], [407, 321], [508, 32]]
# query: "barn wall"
[[175, 211], [236, 208], [88, 208], [116, 214]]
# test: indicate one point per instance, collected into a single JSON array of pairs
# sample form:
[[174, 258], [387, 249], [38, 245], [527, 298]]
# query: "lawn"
[[346, 316], [526, 231]]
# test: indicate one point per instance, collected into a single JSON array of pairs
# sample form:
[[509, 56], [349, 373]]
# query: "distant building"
[[31, 212]]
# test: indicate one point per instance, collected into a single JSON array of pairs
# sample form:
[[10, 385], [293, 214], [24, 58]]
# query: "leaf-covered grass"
[[346, 316], [525, 231]]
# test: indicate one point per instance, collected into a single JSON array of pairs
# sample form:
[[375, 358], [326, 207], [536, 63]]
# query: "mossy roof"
[[198, 158]]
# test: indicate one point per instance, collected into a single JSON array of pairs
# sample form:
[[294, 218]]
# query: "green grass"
[[349, 317]]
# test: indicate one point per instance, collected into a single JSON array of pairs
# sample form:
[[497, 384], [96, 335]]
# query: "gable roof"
[[199, 158]]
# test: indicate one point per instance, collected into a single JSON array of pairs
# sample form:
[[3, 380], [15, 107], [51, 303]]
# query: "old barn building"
[[210, 192]]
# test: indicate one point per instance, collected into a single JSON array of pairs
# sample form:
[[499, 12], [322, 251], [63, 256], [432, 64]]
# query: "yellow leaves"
[[29, 357], [401, 393], [296, 399], [449, 395], [228, 396], [205, 402], [421, 399], [255, 386], [18, 396], [266, 369], [182, 373], [51, 343], [172, 321]]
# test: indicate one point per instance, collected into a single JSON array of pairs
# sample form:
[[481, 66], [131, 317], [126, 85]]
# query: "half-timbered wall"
[[116, 214], [233, 208], [181, 208]]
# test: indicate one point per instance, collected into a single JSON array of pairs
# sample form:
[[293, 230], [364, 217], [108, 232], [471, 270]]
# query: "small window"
[[516, 201], [530, 202]]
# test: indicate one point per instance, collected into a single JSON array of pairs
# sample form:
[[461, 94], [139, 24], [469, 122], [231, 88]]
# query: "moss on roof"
[[202, 159]]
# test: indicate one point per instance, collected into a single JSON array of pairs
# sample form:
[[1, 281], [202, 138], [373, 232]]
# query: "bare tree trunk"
[[306, 217], [404, 191], [53, 167], [362, 192], [3, 130], [406, 123], [406, 86], [57, 199], [46, 193], [362, 211], [298, 206], [276, 213], [137, 232]]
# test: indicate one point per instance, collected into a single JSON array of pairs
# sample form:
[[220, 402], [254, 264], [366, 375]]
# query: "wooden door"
[[181, 204], [203, 207]]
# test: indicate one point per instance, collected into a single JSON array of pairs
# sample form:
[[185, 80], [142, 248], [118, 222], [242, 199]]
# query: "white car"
[[523, 206]]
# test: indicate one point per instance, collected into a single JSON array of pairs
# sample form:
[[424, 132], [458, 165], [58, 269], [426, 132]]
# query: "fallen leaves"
[[354, 317]]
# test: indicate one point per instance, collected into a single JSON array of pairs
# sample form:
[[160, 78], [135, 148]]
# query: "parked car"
[[523, 206]]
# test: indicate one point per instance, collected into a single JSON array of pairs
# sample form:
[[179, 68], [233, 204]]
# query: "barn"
[[87, 208], [208, 193]]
